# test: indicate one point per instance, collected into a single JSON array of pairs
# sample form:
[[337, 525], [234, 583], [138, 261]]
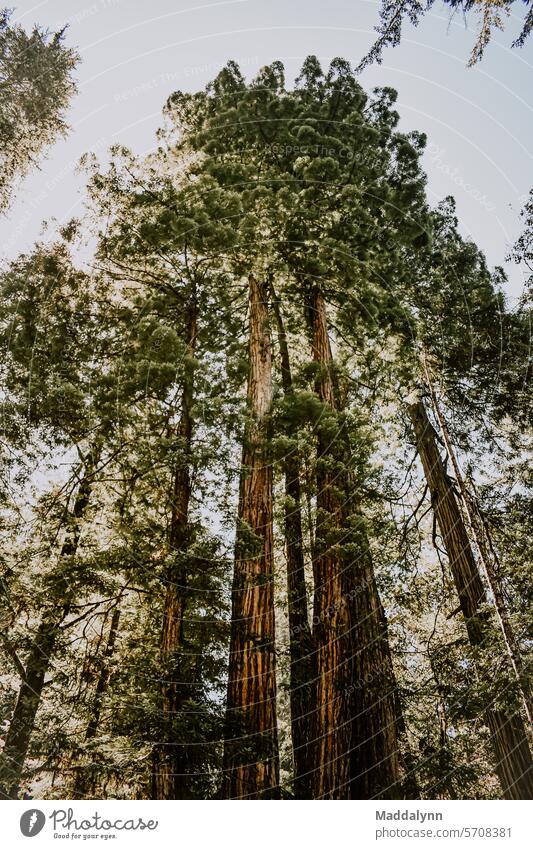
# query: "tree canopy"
[[36, 86]]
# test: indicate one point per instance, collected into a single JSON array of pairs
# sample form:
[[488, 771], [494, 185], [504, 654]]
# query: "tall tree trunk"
[[40, 655], [487, 555], [302, 657], [513, 761], [81, 784], [168, 758], [377, 760], [251, 761], [355, 732]]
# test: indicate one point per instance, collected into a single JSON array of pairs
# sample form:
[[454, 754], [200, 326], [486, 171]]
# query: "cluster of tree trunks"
[[346, 716]]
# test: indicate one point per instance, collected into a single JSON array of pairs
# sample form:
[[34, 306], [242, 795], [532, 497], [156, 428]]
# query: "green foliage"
[[493, 13], [36, 86]]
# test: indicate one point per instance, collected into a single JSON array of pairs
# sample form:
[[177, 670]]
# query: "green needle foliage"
[[36, 86], [492, 14]]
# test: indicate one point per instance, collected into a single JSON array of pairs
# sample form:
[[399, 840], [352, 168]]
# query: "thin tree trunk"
[[355, 732], [407, 760], [251, 761], [103, 679], [40, 655], [302, 658], [491, 562], [80, 785], [442, 758], [168, 759], [511, 750]]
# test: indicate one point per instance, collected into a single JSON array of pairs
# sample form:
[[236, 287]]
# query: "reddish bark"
[[168, 757], [356, 742], [251, 762]]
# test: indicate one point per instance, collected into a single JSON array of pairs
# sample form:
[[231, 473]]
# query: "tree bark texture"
[[251, 762], [356, 746]]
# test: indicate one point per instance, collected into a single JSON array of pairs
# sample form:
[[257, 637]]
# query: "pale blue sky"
[[479, 121]]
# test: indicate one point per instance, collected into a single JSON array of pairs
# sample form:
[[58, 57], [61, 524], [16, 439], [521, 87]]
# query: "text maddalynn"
[[420, 816]]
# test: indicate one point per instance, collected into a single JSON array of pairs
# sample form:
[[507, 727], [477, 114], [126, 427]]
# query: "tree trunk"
[[355, 731], [81, 784], [103, 680], [410, 787], [487, 557], [168, 758], [40, 655], [251, 761], [376, 756], [302, 657], [509, 739]]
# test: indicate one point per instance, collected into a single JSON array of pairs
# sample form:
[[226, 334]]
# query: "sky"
[[134, 53]]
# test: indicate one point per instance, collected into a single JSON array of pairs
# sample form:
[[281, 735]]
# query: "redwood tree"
[[251, 761]]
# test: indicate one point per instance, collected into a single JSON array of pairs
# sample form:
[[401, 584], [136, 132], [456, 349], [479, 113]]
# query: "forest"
[[266, 502]]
